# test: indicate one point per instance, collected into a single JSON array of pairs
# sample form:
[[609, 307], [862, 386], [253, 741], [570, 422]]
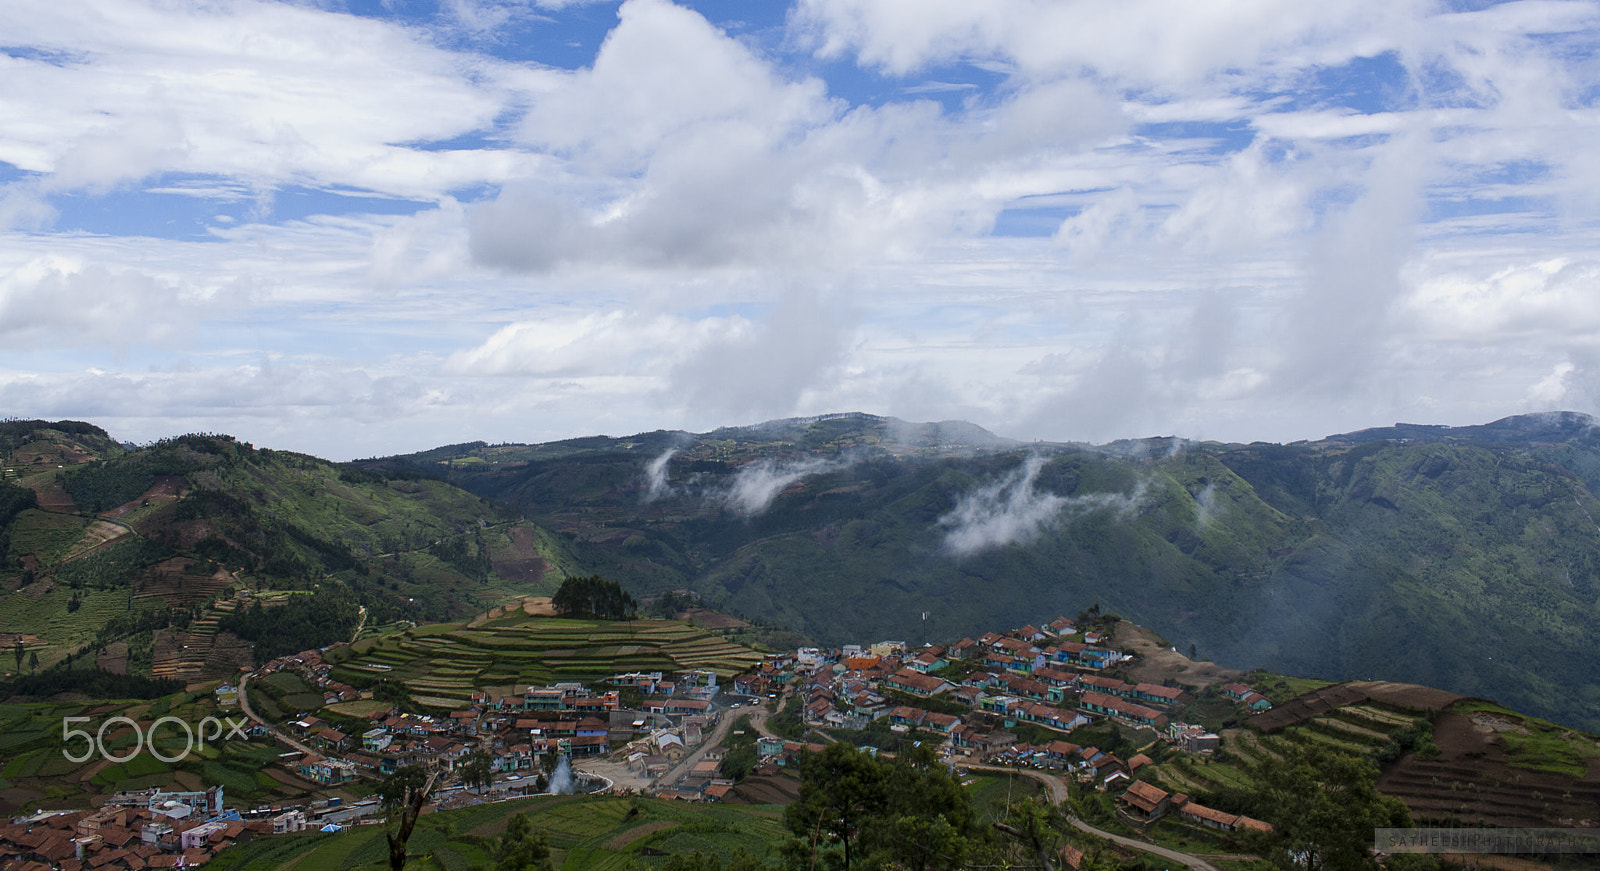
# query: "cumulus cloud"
[[1271, 220], [764, 369], [55, 302], [1013, 510], [272, 93]]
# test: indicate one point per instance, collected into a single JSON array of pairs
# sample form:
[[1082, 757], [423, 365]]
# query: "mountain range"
[[1466, 558]]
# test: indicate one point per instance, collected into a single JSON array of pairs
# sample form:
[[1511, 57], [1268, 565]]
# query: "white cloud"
[[655, 476], [53, 302], [757, 484], [270, 93], [1273, 219], [1013, 511]]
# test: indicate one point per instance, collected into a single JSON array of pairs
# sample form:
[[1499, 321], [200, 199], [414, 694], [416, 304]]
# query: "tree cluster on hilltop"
[[594, 596]]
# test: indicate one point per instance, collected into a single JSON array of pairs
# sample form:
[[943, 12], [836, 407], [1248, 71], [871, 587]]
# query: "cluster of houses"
[[133, 831], [1252, 700], [1039, 676], [566, 719], [1036, 675], [309, 666]]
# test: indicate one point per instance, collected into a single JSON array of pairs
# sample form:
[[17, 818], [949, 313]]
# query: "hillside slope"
[[159, 546], [1464, 558]]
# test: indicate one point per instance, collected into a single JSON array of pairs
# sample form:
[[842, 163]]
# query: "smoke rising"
[[1013, 511], [561, 780]]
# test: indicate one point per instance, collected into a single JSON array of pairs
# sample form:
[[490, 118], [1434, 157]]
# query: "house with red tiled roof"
[[925, 685], [1148, 692], [1145, 801]]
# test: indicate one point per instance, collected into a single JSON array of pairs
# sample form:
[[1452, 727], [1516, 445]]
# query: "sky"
[[363, 227]]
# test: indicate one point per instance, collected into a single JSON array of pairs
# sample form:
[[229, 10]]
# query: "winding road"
[[244, 705], [1058, 794]]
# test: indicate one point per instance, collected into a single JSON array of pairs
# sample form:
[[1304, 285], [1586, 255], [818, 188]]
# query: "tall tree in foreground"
[[858, 811], [1323, 805], [403, 795], [477, 769]]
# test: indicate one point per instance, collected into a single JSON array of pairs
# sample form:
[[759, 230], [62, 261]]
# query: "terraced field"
[[1359, 730], [443, 664], [1495, 767]]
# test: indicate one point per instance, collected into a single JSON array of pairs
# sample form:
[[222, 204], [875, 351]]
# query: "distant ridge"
[[1549, 427]]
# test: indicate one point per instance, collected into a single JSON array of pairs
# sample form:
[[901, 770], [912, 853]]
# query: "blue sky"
[[356, 228]]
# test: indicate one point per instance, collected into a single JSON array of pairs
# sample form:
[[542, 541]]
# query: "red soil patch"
[[1157, 663], [166, 490], [708, 619], [1471, 782], [765, 790], [520, 562], [13, 800], [54, 499], [1408, 697]]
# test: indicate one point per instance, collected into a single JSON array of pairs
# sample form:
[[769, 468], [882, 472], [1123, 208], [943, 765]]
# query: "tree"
[[594, 596], [839, 788], [1323, 805], [909, 813], [403, 795], [477, 769], [521, 848], [33, 661]]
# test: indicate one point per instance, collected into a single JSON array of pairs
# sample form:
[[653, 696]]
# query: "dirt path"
[[1058, 794], [1158, 662], [689, 761]]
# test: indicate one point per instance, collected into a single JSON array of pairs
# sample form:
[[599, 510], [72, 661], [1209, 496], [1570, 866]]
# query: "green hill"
[[159, 546], [1464, 558]]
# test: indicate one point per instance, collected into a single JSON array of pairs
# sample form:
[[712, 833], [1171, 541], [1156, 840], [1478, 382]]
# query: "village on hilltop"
[[973, 696]]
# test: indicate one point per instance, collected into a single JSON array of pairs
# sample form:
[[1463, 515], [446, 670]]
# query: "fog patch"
[[1013, 511], [655, 476], [1206, 507], [757, 484]]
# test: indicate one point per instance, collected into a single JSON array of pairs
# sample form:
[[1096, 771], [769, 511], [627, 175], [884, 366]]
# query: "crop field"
[[1494, 767], [33, 764], [443, 664], [585, 833], [44, 535]]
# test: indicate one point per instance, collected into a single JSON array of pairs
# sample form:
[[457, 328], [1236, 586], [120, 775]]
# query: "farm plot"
[[444, 664]]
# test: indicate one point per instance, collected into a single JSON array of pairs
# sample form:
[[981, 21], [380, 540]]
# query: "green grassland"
[[409, 547], [44, 536], [1539, 745], [585, 833], [443, 664]]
